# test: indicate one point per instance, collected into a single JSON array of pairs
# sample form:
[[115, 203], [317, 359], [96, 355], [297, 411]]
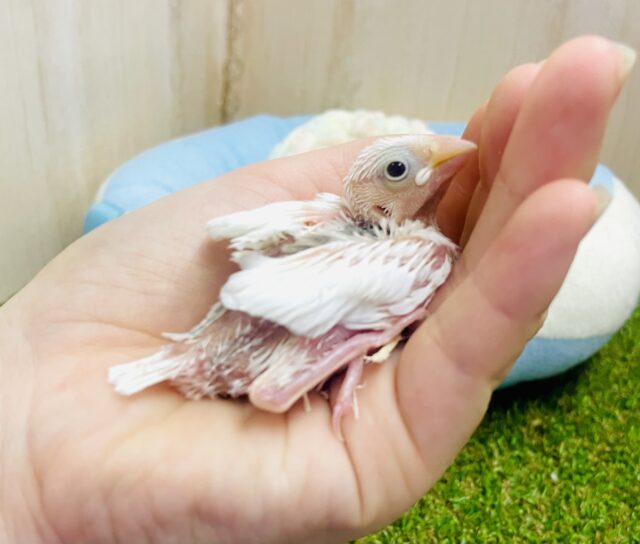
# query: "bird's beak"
[[446, 157], [448, 147]]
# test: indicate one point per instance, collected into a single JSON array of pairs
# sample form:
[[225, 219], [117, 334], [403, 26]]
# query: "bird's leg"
[[346, 400], [307, 402]]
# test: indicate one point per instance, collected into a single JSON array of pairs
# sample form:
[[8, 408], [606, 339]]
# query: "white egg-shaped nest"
[[340, 126]]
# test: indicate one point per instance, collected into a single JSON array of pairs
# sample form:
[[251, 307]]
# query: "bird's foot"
[[346, 400]]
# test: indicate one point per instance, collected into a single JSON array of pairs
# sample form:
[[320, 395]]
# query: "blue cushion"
[[185, 161]]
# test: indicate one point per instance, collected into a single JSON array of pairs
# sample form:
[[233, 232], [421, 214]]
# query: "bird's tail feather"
[[130, 378]]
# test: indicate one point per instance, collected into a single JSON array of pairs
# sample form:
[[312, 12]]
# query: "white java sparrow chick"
[[323, 285]]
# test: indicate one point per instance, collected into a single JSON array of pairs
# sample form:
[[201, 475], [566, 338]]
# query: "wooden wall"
[[88, 83], [433, 59]]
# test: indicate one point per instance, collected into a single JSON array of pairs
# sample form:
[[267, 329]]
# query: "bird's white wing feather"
[[359, 283], [266, 226]]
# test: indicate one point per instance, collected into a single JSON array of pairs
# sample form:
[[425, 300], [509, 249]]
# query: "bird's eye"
[[396, 171]]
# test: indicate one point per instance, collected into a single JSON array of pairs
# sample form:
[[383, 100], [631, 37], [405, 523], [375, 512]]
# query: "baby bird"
[[323, 285]]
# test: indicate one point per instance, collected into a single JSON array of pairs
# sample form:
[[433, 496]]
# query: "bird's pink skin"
[[346, 400], [265, 393], [197, 372]]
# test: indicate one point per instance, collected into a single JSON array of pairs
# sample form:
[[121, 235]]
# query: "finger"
[[453, 208], [502, 110], [307, 174], [453, 362], [558, 132]]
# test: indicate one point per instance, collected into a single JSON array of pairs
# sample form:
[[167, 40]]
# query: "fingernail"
[[603, 197], [627, 59]]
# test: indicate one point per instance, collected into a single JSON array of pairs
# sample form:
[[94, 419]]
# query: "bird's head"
[[403, 177]]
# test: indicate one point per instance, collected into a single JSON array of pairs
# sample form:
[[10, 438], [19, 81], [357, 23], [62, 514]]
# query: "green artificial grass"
[[553, 461]]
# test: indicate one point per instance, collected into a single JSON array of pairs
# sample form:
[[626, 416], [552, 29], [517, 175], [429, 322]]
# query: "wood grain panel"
[[431, 59], [87, 84]]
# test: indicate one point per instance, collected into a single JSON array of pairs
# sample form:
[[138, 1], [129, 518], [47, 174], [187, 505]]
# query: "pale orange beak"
[[446, 157], [448, 147]]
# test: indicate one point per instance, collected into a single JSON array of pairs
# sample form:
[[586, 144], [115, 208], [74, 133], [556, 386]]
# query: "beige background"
[[88, 83]]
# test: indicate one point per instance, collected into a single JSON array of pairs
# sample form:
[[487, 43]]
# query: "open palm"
[[85, 465]]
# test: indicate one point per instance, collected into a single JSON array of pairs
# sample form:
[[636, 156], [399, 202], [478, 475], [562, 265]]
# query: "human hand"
[[81, 464]]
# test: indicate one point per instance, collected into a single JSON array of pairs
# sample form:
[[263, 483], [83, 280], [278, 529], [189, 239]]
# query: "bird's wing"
[[264, 229], [359, 283]]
